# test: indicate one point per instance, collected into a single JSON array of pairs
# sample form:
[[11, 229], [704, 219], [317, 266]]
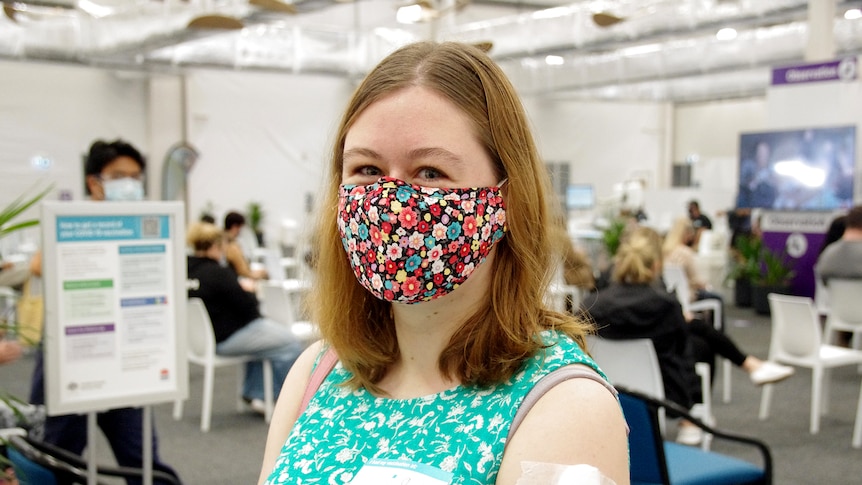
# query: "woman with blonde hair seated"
[[636, 305]]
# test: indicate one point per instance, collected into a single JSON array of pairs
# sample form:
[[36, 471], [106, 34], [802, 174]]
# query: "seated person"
[[636, 305], [233, 253], [677, 250], [238, 325]]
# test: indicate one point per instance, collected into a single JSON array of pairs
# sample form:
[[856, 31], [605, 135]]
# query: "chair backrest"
[[647, 461], [796, 328], [201, 336], [277, 303], [845, 301], [675, 278], [821, 296], [271, 259], [630, 363]]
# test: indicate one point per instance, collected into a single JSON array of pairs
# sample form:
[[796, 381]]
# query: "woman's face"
[[417, 136]]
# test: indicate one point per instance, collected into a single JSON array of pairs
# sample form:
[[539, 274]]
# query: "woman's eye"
[[430, 174], [368, 170]]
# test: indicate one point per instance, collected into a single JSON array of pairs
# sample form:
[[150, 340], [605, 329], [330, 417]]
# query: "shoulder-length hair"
[[638, 260], [491, 344], [677, 235]]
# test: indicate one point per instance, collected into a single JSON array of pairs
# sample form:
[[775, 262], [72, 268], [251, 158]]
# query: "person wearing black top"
[[239, 327]]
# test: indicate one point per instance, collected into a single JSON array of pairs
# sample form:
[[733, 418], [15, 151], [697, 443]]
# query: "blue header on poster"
[[111, 228]]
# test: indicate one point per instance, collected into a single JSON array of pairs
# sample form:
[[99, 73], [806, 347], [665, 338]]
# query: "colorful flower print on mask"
[[408, 243]]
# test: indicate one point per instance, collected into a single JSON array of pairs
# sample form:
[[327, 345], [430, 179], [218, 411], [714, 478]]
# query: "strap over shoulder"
[[323, 368]]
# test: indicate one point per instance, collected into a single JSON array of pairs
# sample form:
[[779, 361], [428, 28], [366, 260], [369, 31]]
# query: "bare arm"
[[576, 422], [287, 408]]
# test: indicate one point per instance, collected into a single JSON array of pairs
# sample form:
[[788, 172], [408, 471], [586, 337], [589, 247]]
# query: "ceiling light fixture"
[[853, 14], [554, 60], [727, 33], [421, 11]]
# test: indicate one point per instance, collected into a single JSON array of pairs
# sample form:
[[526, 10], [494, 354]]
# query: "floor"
[[231, 452]]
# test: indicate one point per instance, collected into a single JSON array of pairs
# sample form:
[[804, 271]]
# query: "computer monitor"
[[580, 197]]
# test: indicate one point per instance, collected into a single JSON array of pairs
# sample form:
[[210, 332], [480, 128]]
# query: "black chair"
[[39, 463], [656, 461]]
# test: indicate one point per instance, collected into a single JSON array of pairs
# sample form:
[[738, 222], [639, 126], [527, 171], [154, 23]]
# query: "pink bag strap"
[[324, 367]]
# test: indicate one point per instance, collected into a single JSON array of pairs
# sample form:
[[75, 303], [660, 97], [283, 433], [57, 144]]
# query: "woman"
[[636, 305], [234, 311], [430, 278]]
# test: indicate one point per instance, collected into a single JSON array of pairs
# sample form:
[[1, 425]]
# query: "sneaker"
[[256, 405], [689, 435], [770, 372]]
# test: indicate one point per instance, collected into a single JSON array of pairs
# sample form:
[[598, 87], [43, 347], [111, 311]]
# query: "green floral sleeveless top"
[[457, 436]]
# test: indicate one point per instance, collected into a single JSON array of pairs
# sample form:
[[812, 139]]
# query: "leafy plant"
[[775, 269], [15, 208], [760, 264], [612, 235], [255, 216], [746, 264]]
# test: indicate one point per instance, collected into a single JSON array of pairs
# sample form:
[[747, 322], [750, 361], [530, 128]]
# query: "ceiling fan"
[[430, 11], [227, 22]]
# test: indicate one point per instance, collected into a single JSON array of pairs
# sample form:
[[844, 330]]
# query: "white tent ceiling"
[[661, 50]]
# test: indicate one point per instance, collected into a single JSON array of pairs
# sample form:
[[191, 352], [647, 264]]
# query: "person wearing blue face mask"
[[114, 171]]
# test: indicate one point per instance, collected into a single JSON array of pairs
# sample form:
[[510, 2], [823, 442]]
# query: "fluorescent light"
[[727, 33], [554, 60], [853, 14], [411, 14]]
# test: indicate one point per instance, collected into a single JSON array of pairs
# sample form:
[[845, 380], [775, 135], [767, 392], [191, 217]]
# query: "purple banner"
[[85, 329], [839, 70]]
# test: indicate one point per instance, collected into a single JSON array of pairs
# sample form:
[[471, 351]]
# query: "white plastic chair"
[[676, 281], [821, 297], [202, 351], [797, 340], [633, 363], [558, 293], [845, 310], [279, 304]]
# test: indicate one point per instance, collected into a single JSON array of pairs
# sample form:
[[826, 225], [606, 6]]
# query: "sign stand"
[[115, 292]]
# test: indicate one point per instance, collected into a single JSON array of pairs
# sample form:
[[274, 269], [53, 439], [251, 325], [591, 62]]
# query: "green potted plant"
[[255, 220], [612, 235], [745, 268], [774, 276]]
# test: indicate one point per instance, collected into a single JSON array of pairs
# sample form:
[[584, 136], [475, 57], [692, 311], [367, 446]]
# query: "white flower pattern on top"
[[461, 430]]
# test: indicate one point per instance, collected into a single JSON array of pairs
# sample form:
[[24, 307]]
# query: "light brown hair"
[[638, 260], [492, 343], [202, 235]]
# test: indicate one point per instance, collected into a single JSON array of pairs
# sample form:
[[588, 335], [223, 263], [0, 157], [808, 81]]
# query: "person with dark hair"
[[114, 171], [208, 218], [843, 258], [699, 221], [433, 250], [834, 232], [233, 253]]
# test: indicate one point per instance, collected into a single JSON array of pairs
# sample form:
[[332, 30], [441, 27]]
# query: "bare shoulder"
[[578, 421]]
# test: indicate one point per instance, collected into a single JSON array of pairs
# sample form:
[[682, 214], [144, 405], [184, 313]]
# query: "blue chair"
[[655, 461], [39, 463]]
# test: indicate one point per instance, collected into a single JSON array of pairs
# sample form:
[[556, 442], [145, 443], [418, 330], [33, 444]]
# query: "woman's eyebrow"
[[360, 152], [436, 153]]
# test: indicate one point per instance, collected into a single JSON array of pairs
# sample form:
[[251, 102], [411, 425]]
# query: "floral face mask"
[[408, 243]]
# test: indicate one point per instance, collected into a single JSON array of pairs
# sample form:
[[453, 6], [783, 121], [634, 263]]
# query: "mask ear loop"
[[502, 183]]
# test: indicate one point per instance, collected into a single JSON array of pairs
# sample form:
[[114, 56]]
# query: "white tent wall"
[[265, 137], [605, 142], [55, 111], [262, 138]]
